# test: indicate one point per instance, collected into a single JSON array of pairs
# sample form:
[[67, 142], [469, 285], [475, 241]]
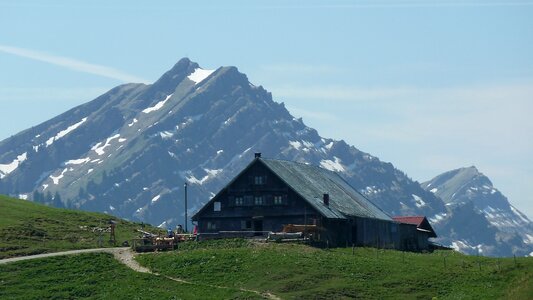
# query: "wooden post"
[[186, 219], [305, 221], [353, 249]]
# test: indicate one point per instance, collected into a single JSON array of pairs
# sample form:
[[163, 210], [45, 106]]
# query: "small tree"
[[57, 200]]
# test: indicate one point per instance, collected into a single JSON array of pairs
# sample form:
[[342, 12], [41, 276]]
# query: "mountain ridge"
[[129, 151]]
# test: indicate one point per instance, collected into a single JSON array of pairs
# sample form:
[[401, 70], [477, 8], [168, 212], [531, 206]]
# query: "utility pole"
[[186, 220]]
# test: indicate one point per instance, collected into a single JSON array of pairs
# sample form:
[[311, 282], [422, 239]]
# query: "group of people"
[[179, 230]]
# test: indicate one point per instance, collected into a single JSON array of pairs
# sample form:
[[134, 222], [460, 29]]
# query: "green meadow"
[[29, 228]]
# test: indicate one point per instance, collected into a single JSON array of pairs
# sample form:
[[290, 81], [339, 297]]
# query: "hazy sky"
[[427, 85]]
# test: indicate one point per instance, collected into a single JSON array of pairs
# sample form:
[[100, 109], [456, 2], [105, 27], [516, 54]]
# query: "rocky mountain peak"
[[129, 151], [170, 79], [473, 201]]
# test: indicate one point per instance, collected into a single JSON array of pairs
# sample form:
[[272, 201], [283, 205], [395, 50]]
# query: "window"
[[211, 226], [246, 224], [258, 200], [278, 200], [259, 180], [239, 201], [216, 206]]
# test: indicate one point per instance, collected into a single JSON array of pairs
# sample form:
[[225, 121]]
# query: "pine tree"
[[48, 199], [57, 200]]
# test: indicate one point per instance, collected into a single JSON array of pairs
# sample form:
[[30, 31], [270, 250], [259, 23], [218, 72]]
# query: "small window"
[[216, 206], [278, 200], [259, 180], [239, 201], [258, 200], [211, 226]]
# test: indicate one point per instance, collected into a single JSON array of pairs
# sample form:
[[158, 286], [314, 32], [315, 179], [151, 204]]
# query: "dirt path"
[[20, 258], [127, 257]]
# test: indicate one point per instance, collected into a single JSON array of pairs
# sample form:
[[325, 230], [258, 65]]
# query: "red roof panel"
[[415, 220]]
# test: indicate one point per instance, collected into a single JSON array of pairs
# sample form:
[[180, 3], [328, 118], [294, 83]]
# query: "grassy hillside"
[[97, 276], [31, 228], [286, 270], [301, 272]]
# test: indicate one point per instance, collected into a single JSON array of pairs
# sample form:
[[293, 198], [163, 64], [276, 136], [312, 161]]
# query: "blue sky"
[[427, 85]]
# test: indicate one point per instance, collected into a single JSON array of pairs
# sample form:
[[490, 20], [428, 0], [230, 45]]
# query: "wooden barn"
[[269, 194], [424, 231]]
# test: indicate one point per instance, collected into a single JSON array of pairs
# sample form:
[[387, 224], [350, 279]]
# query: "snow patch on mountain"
[[189, 120], [165, 134], [295, 144], [463, 246], [158, 106], [12, 166], [438, 218], [520, 215], [62, 133], [370, 190], [133, 122], [210, 174], [199, 75], [56, 179], [77, 161], [99, 148], [528, 239], [154, 200], [331, 165], [418, 201]]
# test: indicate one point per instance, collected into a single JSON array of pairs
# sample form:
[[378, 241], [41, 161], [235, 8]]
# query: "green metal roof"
[[312, 182]]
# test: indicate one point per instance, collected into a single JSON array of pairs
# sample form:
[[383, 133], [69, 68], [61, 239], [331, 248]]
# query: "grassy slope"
[[300, 272], [96, 276], [31, 228]]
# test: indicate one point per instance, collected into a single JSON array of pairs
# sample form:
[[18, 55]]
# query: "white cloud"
[[72, 64]]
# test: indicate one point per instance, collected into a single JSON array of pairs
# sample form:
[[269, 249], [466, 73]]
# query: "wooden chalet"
[[269, 194]]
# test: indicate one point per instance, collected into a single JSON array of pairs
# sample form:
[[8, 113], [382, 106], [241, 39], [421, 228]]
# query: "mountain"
[[130, 151], [492, 224]]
